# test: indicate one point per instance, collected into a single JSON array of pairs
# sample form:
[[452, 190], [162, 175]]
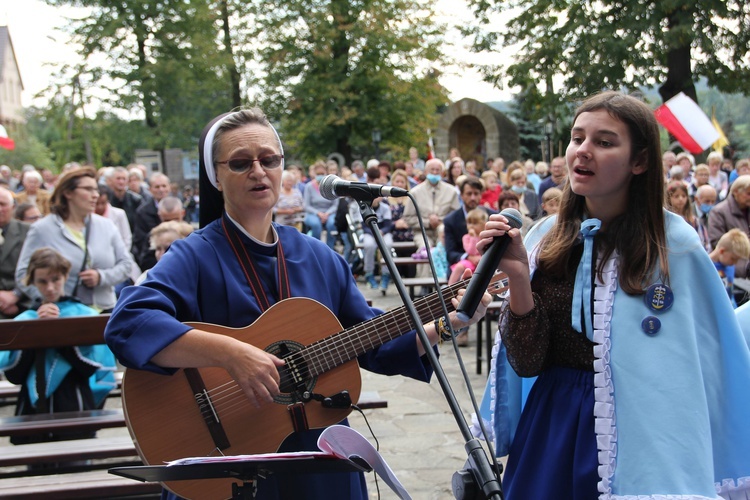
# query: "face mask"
[[319, 178], [433, 178], [705, 208], [518, 189]]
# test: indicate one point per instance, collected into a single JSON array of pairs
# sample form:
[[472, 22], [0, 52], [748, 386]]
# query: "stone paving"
[[418, 434]]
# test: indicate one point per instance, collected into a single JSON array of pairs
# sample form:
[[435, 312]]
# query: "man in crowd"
[[455, 222], [705, 199], [136, 183], [435, 198], [733, 212], [122, 197], [12, 235], [147, 218], [358, 169], [558, 173]]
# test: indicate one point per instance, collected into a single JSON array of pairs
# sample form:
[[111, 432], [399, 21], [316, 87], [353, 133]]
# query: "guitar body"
[[166, 421]]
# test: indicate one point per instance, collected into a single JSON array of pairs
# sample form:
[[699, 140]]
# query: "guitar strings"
[[223, 398], [317, 356]]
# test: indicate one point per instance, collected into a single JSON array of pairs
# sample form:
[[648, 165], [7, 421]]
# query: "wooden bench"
[[407, 261], [61, 451], [398, 245], [413, 283], [71, 421], [9, 392], [91, 484], [84, 481]]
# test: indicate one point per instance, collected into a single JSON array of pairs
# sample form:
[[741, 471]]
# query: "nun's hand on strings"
[[514, 262], [255, 370]]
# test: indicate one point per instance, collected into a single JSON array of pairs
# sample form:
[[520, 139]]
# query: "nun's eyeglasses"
[[239, 165]]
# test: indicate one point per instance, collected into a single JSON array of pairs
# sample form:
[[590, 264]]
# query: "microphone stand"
[[477, 463]]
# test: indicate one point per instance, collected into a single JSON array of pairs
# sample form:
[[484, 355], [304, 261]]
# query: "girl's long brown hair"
[[638, 235]]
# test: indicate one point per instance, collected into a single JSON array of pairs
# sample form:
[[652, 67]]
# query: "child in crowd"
[[161, 238], [75, 378], [509, 199], [492, 190], [731, 247], [439, 255], [551, 201], [700, 178], [678, 201], [475, 221]]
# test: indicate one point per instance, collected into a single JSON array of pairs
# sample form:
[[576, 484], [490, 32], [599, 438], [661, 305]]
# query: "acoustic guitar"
[[203, 412]]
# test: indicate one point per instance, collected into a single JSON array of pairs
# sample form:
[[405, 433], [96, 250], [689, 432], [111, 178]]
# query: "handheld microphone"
[[332, 187], [486, 268]]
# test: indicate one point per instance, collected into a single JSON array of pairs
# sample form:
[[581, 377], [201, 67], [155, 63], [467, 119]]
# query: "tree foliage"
[[334, 71], [162, 60], [590, 46], [328, 73]]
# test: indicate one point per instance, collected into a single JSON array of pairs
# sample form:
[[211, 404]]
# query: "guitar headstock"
[[498, 283]]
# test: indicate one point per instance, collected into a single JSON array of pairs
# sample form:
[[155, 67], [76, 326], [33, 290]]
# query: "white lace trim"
[[734, 491], [605, 425]]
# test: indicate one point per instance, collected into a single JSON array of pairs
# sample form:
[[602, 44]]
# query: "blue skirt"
[[553, 455]]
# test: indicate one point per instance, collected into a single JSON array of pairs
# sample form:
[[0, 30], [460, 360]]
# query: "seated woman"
[[291, 204], [91, 243], [319, 212], [76, 378]]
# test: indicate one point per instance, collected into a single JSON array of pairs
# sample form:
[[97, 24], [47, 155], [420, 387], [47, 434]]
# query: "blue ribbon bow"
[[582, 289]]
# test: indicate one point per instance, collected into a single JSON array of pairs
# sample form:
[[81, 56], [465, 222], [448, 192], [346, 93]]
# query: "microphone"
[[332, 187], [486, 268]]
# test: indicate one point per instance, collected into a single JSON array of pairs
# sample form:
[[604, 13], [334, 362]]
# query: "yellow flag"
[[722, 140]]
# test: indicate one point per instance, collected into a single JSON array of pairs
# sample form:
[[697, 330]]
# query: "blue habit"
[[200, 280]]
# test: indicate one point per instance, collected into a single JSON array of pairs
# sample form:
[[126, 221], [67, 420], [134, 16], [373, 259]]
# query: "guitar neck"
[[328, 353]]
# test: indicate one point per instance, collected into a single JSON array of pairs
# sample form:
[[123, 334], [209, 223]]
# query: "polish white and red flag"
[[5, 141], [687, 122], [430, 146]]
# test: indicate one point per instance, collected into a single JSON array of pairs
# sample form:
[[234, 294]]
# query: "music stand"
[[247, 471]]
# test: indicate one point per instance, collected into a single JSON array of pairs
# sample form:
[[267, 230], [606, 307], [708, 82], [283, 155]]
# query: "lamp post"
[[376, 137]]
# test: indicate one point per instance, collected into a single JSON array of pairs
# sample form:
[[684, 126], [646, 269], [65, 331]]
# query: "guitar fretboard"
[[328, 353]]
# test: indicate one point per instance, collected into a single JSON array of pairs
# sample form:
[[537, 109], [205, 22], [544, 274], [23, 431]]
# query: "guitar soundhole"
[[294, 375]]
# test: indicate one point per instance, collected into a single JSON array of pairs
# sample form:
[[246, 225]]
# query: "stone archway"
[[468, 135], [479, 129]]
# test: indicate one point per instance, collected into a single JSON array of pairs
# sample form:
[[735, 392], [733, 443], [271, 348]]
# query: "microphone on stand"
[[486, 268], [332, 187]]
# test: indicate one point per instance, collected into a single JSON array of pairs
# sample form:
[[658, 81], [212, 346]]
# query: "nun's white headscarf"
[[208, 140]]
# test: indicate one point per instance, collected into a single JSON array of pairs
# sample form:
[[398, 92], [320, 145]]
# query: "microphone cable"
[[459, 357]]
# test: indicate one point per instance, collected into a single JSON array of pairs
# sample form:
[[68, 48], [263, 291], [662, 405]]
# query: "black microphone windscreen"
[[515, 219]]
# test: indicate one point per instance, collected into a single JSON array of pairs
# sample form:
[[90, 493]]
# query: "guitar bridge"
[[207, 409]]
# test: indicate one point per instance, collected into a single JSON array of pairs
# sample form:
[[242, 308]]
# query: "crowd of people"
[[68, 245], [604, 214]]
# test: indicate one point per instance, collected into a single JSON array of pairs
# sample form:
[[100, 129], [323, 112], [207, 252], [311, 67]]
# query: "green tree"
[[162, 60], [615, 43], [334, 71]]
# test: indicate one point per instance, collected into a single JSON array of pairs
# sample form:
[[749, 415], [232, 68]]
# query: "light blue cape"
[[671, 409]]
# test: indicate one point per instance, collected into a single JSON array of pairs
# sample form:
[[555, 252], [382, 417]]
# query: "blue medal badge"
[[659, 297]]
